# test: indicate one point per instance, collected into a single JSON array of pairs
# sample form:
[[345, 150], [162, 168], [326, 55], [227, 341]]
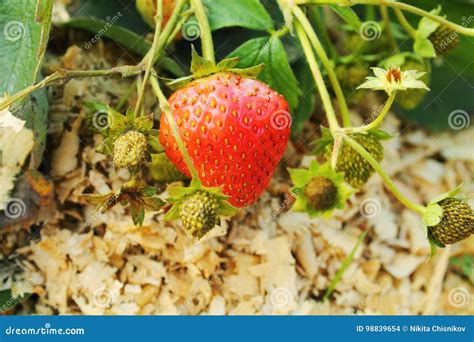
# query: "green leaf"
[[243, 13], [424, 48], [123, 37], [348, 15], [129, 16], [118, 34], [24, 37], [345, 264], [7, 301], [277, 72]]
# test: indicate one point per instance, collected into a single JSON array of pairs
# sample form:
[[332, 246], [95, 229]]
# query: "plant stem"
[[166, 33], [316, 43], [393, 4], [206, 36], [66, 75], [378, 120], [184, 17], [318, 21], [153, 51], [388, 29], [318, 78], [165, 108], [404, 22], [387, 180]]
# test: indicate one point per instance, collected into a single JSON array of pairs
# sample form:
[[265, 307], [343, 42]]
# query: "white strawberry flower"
[[393, 79]]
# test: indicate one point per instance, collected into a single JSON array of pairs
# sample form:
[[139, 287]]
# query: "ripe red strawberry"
[[234, 128]]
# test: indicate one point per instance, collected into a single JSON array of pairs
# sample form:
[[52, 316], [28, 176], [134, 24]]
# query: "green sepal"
[[399, 59], [227, 209], [251, 72], [320, 144], [432, 215], [143, 123], [427, 26], [137, 212], [136, 193], [178, 82], [173, 213], [228, 63], [450, 193], [154, 143], [301, 177], [130, 115], [179, 193], [153, 203], [424, 47], [379, 134], [202, 67]]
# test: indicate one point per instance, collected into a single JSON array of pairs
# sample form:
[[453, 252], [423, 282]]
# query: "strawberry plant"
[[220, 131]]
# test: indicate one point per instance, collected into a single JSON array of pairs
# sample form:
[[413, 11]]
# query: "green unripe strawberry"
[[456, 224], [321, 193], [199, 213], [444, 40], [411, 98], [356, 169], [163, 170], [350, 76], [130, 150]]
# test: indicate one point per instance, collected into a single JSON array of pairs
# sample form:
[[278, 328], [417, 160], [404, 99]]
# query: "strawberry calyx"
[[113, 125], [319, 189], [202, 67], [180, 195], [135, 192]]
